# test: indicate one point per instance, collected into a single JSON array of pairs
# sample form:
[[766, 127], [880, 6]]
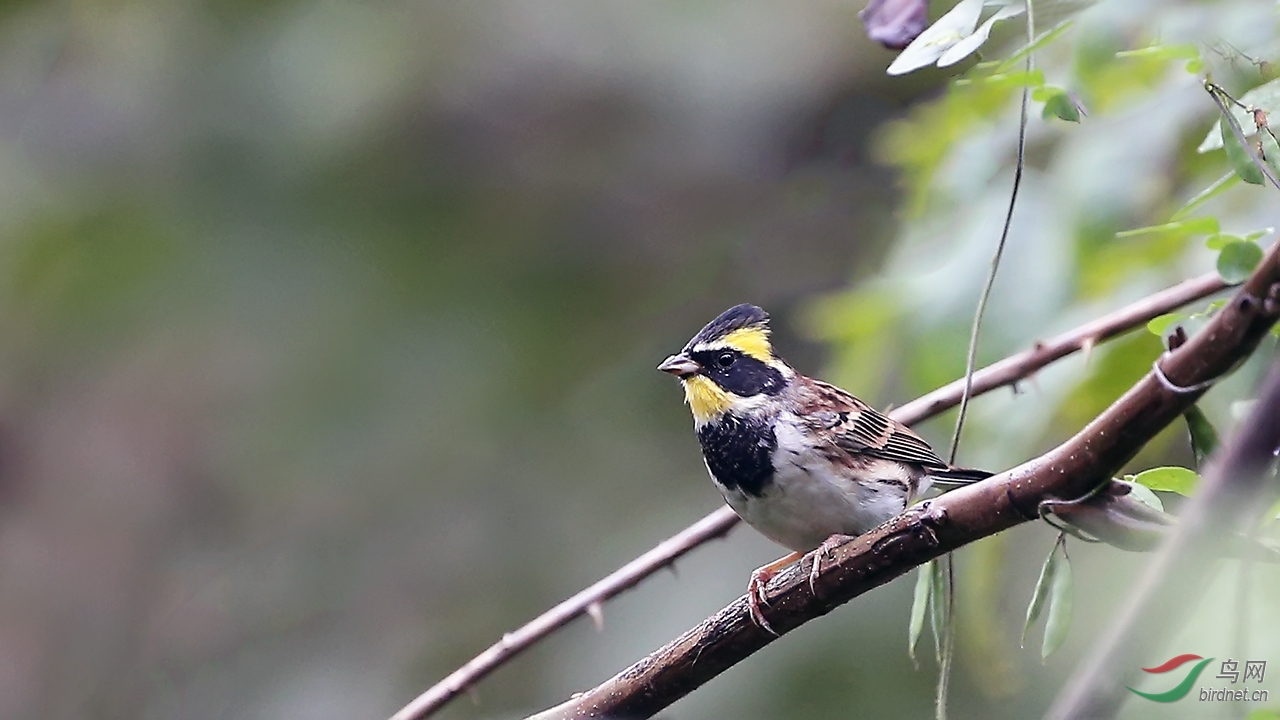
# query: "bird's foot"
[[757, 597], [756, 600], [824, 551]]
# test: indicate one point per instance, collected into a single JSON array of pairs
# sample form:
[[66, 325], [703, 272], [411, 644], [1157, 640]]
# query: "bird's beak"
[[680, 365]]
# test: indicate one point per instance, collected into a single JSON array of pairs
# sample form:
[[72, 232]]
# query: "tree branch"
[[999, 374], [952, 520], [1022, 365], [1235, 488]]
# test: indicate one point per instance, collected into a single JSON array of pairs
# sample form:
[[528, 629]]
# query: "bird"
[[800, 460]]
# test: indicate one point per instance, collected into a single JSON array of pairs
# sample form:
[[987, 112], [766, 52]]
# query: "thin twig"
[[1005, 372], [663, 555], [971, 362], [1016, 367], [1235, 487], [959, 517], [1218, 93]]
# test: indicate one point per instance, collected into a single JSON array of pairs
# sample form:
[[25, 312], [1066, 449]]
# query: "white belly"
[[811, 499]]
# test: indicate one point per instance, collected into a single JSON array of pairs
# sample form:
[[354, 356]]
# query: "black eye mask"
[[738, 372]]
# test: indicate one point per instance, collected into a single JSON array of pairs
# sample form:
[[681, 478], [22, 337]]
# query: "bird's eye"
[[725, 359]]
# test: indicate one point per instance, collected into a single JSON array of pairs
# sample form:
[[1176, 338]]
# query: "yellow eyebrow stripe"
[[752, 341]]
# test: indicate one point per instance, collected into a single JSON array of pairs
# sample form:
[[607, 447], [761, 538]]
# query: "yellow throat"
[[706, 400]]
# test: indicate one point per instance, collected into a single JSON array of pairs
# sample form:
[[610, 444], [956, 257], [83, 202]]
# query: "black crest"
[[735, 318]]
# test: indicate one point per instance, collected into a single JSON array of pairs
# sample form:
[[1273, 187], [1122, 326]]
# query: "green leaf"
[[1265, 96], [1143, 494], [1169, 479], [1219, 241], [1270, 151], [1059, 103], [1011, 80], [1191, 226], [1263, 714], [1186, 51], [1222, 184], [1040, 594], [1060, 591], [1239, 158], [1237, 261], [1159, 324], [1044, 39], [938, 606], [919, 606], [1204, 438], [1211, 308]]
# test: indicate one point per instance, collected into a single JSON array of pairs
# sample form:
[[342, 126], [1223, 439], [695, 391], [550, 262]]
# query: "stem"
[[956, 518], [1005, 372]]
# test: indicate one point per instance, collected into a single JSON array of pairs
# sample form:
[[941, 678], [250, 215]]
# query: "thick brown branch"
[[1004, 372], [1235, 490], [955, 519]]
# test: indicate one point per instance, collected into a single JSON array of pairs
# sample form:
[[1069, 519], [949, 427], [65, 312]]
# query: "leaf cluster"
[[1117, 199]]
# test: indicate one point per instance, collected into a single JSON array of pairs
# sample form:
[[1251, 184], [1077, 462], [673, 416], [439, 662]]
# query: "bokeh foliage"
[[329, 328], [1117, 200]]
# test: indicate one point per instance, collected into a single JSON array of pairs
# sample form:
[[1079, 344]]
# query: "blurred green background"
[[329, 333]]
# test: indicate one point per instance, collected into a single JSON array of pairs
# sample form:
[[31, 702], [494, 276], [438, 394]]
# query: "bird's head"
[[729, 366]]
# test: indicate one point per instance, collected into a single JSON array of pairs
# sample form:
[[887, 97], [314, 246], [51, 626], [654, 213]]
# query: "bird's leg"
[[824, 550], [760, 578]]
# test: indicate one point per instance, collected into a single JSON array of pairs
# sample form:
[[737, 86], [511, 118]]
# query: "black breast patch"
[[739, 452]]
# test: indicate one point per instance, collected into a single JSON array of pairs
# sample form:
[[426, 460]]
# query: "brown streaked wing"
[[856, 427]]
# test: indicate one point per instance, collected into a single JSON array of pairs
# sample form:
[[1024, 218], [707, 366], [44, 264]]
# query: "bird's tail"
[[955, 476]]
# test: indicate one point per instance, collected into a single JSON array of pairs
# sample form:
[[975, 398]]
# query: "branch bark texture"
[[1235, 489], [957, 518], [716, 524]]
